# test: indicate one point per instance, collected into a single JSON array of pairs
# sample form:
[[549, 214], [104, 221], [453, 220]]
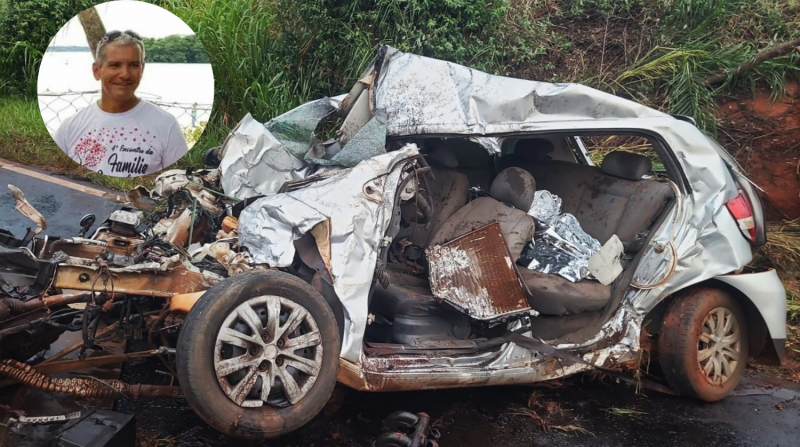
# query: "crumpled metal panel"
[[358, 201], [254, 162], [175, 179], [428, 96], [706, 237], [475, 274]]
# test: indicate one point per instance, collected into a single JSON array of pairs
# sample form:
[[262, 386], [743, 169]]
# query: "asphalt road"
[[578, 412], [62, 207]]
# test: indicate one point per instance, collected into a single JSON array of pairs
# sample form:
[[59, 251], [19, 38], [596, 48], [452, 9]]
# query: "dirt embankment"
[[765, 138]]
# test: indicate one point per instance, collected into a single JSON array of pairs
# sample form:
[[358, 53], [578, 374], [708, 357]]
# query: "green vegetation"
[[272, 55], [176, 50], [277, 54], [26, 27]]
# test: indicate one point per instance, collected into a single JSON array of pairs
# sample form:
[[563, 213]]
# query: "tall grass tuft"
[[245, 49]]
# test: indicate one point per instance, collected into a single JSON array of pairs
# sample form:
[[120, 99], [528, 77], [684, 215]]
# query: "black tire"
[[196, 347], [679, 344]]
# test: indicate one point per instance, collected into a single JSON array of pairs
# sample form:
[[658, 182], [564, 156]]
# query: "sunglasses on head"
[[114, 35]]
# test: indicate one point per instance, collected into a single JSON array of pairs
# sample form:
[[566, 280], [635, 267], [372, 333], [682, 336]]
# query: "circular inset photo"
[[125, 88]]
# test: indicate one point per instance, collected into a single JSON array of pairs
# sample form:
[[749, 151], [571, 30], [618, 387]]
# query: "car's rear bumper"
[[766, 292]]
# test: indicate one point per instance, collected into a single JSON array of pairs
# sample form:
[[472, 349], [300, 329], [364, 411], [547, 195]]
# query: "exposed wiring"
[[670, 244]]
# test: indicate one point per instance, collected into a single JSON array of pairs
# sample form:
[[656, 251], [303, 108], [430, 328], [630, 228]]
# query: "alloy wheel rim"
[[268, 351], [719, 346]]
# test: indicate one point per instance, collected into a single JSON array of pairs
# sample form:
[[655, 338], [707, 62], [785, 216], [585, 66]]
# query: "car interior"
[[469, 188]]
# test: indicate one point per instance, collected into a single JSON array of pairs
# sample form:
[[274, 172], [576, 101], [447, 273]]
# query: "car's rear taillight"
[[742, 211]]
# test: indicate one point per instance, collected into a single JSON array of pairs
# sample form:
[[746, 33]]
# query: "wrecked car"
[[453, 231]]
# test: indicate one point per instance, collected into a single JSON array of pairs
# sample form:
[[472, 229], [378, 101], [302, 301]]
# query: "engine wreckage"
[[411, 232], [151, 258]]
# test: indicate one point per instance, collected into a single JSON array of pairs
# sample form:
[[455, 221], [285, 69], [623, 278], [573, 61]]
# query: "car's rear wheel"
[[703, 344], [258, 355]]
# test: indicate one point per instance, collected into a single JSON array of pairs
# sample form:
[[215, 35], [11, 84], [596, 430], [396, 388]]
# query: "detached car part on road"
[[395, 255]]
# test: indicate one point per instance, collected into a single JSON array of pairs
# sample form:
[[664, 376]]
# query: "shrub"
[[26, 28]]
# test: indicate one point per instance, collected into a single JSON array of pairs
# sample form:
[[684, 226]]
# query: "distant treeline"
[[172, 49], [67, 49], [175, 50]]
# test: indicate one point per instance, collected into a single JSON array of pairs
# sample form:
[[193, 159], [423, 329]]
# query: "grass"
[[783, 252], [244, 46], [783, 245], [548, 416], [681, 73], [625, 412], [599, 146], [272, 55], [156, 440]]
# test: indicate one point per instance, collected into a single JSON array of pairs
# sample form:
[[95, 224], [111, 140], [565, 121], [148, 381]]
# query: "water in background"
[[174, 87]]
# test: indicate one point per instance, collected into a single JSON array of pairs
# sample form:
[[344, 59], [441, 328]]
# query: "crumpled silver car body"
[[352, 204]]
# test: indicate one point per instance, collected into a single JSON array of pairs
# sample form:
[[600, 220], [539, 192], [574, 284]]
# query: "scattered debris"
[[572, 428], [549, 416], [97, 427], [404, 429], [88, 387], [625, 412]]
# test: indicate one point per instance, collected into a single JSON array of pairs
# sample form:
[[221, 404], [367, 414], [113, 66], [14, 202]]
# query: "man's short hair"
[[118, 37]]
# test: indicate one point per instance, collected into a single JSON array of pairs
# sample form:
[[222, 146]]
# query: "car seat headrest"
[[626, 165], [515, 186]]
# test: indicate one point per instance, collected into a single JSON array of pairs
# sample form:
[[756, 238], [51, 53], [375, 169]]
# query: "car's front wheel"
[[703, 344], [258, 355]]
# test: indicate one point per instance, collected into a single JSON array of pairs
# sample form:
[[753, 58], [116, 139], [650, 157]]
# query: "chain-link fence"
[[58, 106]]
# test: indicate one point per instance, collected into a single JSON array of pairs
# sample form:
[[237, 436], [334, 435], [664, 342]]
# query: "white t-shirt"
[[140, 141]]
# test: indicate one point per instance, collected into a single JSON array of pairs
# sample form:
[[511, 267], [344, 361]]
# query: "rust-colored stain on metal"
[[162, 284], [322, 235], [476, 274]]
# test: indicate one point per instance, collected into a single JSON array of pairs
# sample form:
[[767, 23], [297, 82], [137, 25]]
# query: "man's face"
[[120, 72]]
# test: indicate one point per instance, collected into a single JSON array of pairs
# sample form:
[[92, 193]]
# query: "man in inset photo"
[[121, 135]]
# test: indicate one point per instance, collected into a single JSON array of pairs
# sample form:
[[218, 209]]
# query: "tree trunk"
[[93, 27], [770, 53]]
